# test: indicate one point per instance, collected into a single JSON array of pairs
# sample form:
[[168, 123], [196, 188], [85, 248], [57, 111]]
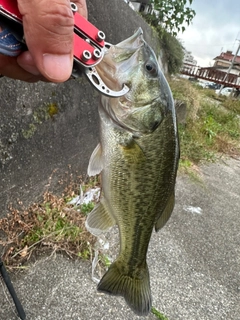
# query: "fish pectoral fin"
[[165, 215], [95, 165], [132, 151], [135, 289], [99, 219]]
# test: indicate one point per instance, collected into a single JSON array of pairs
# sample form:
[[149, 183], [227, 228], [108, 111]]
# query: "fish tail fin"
[[135, 288]]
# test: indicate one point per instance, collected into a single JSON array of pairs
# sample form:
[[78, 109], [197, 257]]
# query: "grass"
[[51, 224], [158, 314], [232, 105], [212, 126]]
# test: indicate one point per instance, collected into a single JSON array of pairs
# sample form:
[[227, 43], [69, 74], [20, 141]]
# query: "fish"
[[137, 159]]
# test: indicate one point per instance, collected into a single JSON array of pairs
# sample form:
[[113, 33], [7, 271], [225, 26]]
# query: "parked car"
[[209, 85], [193, 79], [225, 91], [202, 84], [213, 86]]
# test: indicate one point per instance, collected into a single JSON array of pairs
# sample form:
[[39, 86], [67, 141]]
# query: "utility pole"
[[230, 68]]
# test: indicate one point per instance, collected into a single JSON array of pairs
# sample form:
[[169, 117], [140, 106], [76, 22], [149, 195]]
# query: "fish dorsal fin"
[[165, 215], [95, 165], [99, 219]]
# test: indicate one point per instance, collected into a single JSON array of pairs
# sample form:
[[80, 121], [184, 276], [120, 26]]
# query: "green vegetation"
[[106, 262], [52, 109], [173, 14], [173, 52], [87, 207], [232, 105], [170, 45], [168, 19], [158, 314], [212, 126], [39, 116], [51, 224], [29, 132]]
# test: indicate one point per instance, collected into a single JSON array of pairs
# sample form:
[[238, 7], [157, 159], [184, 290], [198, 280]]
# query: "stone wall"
[[48, 131]]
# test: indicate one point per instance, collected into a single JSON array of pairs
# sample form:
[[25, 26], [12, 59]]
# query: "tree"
[[173, 52], [173, 14]]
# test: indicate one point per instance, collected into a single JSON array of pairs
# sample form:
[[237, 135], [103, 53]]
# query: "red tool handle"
[[88, 40], [89, 44], [10, 8]]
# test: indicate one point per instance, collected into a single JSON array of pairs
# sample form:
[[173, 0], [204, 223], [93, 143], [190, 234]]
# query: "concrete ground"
[[194, 263]]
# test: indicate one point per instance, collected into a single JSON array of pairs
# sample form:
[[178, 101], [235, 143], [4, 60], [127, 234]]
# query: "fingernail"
[[57, 67]]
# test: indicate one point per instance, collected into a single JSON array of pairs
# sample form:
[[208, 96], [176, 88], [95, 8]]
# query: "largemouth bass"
[[138, 159]]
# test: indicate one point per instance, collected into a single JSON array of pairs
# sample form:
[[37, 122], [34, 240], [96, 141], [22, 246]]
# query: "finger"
[[26, 61], [10, 68], [48, 30]]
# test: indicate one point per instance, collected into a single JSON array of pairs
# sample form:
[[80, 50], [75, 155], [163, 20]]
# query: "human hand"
[[48, 30]]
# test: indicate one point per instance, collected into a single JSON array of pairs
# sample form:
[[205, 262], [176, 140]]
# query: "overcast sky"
[[215, 28]]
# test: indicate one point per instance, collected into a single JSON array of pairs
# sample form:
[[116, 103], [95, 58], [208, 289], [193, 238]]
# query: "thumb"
[[48, 30]]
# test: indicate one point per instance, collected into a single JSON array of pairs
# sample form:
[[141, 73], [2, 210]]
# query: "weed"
[[211, 128], [84, 254], [105, 260], [232, 105], [87, 207], [158, 314], [52, 224], [212, 95], [28, 133], [52, 109], [219, 124], [187, 92]]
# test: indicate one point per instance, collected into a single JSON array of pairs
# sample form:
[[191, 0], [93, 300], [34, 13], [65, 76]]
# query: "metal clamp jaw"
[[89, 44]]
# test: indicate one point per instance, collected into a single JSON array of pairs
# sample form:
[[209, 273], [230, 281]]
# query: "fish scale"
[[138, 159]]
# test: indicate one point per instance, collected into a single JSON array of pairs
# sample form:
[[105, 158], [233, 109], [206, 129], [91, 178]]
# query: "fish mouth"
[[133, 42], [110, 68]]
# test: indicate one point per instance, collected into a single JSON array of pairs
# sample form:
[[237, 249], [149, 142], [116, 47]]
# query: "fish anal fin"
[[95, 165], [99, 220], [165, 215], [135, 289]]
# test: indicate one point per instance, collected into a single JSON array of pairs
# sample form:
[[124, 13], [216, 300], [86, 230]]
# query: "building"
[[189, 63], [218, 73], [142, 6], [224, 60]]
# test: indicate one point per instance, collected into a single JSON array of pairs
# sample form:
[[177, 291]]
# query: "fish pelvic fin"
[[165, 215], [99, 219], [134, 288], [95, 165]]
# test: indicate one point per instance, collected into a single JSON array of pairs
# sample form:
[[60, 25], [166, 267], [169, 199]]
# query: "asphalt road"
[[194, 263]]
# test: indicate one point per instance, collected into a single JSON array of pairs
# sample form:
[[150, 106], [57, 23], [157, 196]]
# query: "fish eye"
[[151, 68]]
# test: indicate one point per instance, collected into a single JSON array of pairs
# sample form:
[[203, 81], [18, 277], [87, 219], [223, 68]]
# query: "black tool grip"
[[11, 290]]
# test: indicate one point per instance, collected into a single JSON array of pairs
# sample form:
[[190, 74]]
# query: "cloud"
[[214, 29]]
